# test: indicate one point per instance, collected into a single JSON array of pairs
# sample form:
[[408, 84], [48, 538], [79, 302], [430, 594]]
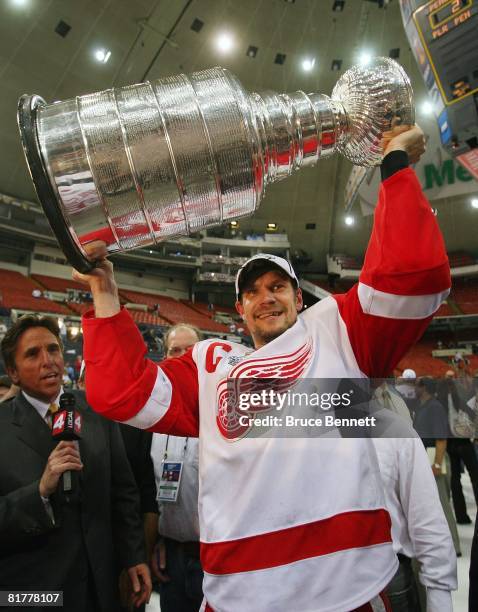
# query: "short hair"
[[174, 328], [257, 268], [5, 381], [428, 383], [13, 335]]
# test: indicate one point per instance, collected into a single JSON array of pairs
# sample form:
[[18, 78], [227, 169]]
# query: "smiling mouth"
[[269, 315]]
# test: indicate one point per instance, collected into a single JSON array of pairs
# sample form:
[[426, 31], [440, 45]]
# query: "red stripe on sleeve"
[[340, 532]]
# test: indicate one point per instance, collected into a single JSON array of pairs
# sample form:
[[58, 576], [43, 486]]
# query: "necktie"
[[50, 412]]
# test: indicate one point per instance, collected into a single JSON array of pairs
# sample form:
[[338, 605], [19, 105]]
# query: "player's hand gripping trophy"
[[137, 165]]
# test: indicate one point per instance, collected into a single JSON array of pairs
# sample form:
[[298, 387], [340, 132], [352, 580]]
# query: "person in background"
[[175, 561], [137, 444], [459, 447], [406, 387], [431, 424], [419, 527], [52, 540]]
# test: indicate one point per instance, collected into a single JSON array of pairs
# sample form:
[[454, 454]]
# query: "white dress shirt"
[[42, 407], [178, 520], [419, 527]]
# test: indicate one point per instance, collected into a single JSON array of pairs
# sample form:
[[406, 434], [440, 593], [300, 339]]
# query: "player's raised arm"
[[121, 383], [406, 274]]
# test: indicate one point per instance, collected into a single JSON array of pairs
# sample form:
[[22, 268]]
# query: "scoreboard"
[[443, 35]]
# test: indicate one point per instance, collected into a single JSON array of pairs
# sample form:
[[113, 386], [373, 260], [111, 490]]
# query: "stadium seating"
[[420, 359], [458, 259], [17, 292], [465, 294], [445, 311], [174, 311], [61, 285]]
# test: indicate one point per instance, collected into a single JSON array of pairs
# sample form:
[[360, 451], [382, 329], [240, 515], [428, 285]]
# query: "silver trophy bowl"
[[137, 165]]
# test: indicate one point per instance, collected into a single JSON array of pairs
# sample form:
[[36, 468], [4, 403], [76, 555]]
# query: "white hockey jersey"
[[292, 525]]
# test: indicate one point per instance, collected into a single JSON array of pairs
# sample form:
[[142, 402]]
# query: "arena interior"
[[60, 49]]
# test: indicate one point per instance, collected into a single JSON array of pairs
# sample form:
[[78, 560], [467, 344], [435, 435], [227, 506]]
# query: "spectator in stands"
[[461, 419], [431, 424], [175, 561], [52, 540]]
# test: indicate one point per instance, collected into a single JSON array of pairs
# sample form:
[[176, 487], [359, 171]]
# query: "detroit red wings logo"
[[279, 373]]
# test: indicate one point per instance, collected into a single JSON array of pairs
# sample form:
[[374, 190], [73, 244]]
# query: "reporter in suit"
[[51, 540]]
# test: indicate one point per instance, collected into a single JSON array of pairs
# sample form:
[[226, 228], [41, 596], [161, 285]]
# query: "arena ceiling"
[[149, 39]]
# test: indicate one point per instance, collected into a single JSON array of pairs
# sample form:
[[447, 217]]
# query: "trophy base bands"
[[31, 599]]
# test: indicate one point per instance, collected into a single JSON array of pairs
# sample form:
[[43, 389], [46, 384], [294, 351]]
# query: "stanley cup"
[[144, 163]]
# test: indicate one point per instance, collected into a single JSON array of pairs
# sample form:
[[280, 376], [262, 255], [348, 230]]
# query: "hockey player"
[[286, 524]]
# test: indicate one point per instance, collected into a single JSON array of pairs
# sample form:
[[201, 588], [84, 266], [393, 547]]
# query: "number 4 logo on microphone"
[[59, 421]]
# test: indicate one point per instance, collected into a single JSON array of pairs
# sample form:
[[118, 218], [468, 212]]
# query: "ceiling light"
[[349, 220], [19, 2], [308, 64], [224, 42], [234, 224], [474, 203], [365, 58], [102, 55], [336, 64], [426, 108], [272, 226], [338, 6]]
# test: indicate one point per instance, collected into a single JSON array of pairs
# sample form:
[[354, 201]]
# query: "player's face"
[[38, 364], [180, 341], [269, 306]]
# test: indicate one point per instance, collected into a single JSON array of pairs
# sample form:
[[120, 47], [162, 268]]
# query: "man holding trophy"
[[263, 547], [285, 524]]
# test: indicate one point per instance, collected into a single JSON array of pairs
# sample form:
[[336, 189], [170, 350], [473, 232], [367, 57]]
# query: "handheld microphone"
[[67, 426]]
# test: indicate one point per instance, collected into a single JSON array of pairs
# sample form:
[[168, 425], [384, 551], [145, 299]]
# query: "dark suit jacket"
[[99, 523]]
